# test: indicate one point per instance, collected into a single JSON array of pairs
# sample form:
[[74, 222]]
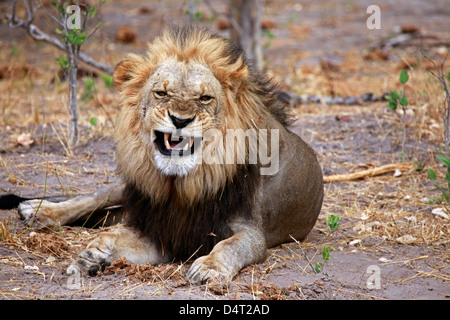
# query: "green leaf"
[[63, 63], [92, 11], [89, 83], [431, 174], [392, 104], [394, 95], [403, 101], [403, 77], [444, 159], [448, 75], [326, 253], [392, 100], [333, 222], [108, 80], [318, 267], [93, 121]]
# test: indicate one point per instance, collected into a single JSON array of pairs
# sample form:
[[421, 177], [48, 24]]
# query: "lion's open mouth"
[[170, 144]]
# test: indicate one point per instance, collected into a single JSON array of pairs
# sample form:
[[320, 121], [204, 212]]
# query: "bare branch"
[[445, 110], [304, 254], [39, 35], [12, 21], [51, 15]]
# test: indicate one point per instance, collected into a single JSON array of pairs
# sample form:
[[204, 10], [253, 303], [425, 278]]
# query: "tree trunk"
[[72, 101], [245, 17]]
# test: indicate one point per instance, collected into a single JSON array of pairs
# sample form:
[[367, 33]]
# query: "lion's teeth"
[[191, 143], [166, 141]]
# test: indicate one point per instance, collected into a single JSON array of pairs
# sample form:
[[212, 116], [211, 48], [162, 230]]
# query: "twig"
[[445, 111], [303, 253], [368, 173], [67, 149], [37, 34]]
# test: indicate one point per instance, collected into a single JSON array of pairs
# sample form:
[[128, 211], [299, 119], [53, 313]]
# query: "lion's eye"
[[205, 99], [160, 94]]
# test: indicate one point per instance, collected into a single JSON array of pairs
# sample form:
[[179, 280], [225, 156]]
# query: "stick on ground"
[[369, 172]]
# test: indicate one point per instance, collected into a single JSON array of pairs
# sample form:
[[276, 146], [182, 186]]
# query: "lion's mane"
[[183, 214]]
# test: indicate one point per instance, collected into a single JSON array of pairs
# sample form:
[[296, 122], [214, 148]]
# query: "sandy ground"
[[390, 244]]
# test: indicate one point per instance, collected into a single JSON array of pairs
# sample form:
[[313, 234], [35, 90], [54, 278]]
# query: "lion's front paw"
[[207, 269], [40, 213], [91, 261]]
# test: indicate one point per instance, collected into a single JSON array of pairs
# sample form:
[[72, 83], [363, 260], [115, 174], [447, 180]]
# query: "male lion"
[[178, 204]]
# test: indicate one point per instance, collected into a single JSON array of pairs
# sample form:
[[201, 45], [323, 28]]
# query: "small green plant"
[[89, 89], [444, 110], [72, 39], [398, 98], [93, 121], [445, 193], [332, 224], [318, 267], [72, 18], [270, 37], [108, 80], [63, 63]]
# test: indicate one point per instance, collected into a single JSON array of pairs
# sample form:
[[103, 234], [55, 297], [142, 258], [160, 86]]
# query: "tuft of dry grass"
[[7, 230]]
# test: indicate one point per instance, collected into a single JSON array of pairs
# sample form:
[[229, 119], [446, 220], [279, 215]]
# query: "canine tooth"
[[186, 147], [166, 141], [191, 142]]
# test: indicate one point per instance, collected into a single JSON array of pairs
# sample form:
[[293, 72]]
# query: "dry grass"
[[387, 210]]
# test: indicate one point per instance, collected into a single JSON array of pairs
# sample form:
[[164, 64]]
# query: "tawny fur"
[[172, 215]]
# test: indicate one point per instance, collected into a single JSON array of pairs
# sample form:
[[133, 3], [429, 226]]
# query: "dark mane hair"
[[180, 231]]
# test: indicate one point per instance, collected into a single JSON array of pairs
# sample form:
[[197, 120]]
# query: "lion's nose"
[[180, 122]]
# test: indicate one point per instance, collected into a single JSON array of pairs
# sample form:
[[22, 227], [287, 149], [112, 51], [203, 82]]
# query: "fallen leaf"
[[406, 239], [25, 139], [354, 242], [31, 268], [397, 173], [365, 165], [125, 34], [440, 212]]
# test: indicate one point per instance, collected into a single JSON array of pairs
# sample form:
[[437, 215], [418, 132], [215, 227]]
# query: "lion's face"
[[180, 101], [189, 82]]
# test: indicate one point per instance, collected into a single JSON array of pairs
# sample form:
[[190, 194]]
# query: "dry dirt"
[[391, 244]]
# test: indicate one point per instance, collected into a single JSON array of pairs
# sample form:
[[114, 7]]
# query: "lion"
[[222, 214]]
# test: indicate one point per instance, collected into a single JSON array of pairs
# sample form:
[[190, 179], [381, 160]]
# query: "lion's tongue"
[[177, 143]]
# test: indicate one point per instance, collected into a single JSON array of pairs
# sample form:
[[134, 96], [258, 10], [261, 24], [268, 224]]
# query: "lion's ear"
[[123, 73]]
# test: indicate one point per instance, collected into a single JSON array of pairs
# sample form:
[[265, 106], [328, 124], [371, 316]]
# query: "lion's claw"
[[203, 270], [91, 261]]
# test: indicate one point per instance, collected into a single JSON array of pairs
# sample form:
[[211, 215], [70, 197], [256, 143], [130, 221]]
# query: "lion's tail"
[[10, 201]]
